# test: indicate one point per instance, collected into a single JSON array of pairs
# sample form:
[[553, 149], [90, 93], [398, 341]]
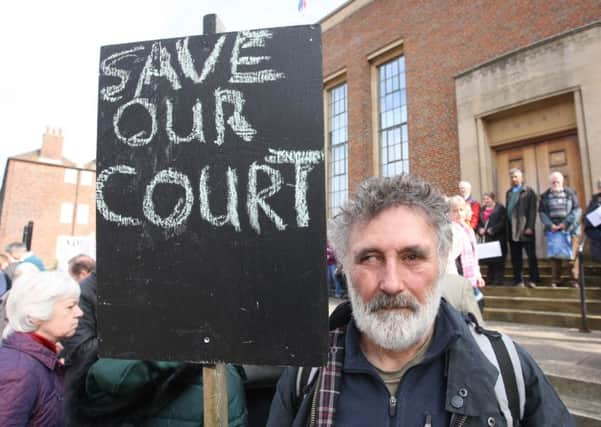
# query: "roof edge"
[[540, 42]]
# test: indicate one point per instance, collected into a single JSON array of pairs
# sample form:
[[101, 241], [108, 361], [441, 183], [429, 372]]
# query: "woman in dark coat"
[[492, 227], [42, 309]]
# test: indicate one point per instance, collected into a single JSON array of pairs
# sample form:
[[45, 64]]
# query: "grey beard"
[[396, 330]]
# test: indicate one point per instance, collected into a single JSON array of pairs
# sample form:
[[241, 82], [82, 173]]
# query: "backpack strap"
[[304, 380], [510, 389]]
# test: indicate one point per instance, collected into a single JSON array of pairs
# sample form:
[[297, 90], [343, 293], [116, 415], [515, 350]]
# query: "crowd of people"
[[412, 331]]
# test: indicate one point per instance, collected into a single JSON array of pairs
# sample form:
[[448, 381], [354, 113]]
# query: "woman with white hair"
[[42, 309]]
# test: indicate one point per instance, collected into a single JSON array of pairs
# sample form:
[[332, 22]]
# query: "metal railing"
[[584, 324]]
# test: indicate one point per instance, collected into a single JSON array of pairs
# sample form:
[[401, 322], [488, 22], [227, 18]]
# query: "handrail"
[[584, 324]]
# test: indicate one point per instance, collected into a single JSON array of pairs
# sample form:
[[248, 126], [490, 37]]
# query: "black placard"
[[210, 196]]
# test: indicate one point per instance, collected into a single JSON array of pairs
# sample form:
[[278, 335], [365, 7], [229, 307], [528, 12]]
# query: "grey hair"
[[557, 174], [15, 247], [465, 183], [377, 194], [32, 299], [515, 171]]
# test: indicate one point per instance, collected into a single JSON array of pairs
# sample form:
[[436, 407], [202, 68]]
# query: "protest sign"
[[210, 199]]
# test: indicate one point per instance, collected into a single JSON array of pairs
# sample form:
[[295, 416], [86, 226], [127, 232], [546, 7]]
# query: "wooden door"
[[537, 161]]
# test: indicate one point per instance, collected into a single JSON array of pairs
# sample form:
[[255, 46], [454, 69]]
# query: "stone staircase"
[[545, 305], [572, 362]]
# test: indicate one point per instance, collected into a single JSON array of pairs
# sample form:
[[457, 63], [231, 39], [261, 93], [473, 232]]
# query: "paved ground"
[[562, 351]]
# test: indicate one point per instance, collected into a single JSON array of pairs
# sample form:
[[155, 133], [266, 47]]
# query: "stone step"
[[547, 318], [576, 388], [561, 293], [570, 359], [542, 304], [579, 388], [586, 412]]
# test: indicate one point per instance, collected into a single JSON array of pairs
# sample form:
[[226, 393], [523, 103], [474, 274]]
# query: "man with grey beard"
[[404, 357]]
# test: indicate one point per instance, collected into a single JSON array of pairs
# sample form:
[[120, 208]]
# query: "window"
[[392, 115], [337, 147], [70, 176], [83, 212], [66, 213], [87, 178]]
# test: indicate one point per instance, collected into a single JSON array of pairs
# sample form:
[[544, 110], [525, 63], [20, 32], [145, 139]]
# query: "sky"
[[51, 49]]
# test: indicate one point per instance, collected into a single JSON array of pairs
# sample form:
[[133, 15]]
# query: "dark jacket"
[[593, 233], [153, 394], [571, 221], [497, 225], [81, 350], [31, 384], [523, 215], [453, 358]]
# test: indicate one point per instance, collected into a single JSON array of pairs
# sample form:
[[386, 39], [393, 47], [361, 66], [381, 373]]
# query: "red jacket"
[[475, 212]]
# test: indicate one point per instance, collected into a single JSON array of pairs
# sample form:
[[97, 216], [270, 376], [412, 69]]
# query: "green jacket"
[[113, 380]]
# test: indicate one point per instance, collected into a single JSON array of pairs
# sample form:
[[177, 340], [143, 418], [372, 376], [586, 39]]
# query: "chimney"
[[52, 144]]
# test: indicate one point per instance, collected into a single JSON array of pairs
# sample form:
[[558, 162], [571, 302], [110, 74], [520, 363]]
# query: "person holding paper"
[[521, 219], [492, 228], [592, 223], [560, 214]]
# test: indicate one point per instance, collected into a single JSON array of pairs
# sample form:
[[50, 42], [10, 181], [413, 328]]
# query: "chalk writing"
[[248, 39], [258, 199], [232, 200], [138, 138], [107, 66], [161, 55], [101, 205], [195, 133], [183, 206], [304, 162], [237, 121], [147, 118], [187, 61]]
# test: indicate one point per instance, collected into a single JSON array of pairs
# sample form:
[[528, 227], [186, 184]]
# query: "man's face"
[[556, 182], [464, 190], [393, 267], [516, 179]]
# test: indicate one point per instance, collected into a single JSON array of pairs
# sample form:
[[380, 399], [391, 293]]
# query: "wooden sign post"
[[210, 199], [214, 378]]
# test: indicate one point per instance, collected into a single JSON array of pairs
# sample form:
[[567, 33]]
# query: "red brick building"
[[57, 195], [462, 90]]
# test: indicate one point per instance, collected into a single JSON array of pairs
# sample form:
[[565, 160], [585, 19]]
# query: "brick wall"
[[441, 39], [35, 191]]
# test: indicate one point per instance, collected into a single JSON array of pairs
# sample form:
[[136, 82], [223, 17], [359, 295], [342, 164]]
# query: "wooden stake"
[[214, 380]]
